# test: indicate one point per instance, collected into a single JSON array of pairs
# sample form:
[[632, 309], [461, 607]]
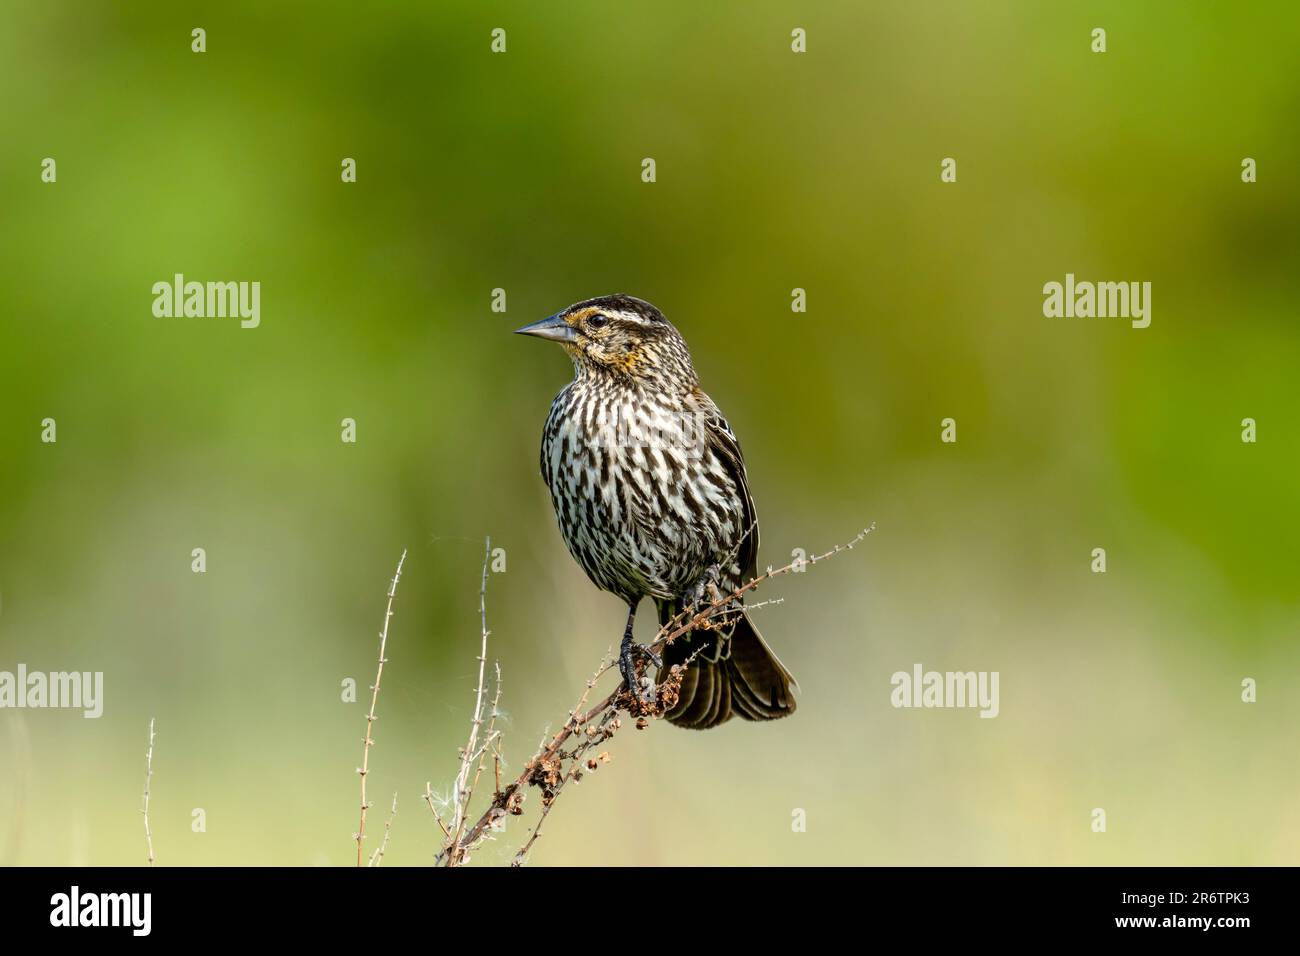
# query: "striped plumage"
[[650, 492]]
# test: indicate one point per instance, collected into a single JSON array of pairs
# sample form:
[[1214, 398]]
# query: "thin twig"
[[429, 799], [148, 775], [377, 857], [603, 733], [552, 767], [453, 851], [364, 769], [492, 736], [496, 751]]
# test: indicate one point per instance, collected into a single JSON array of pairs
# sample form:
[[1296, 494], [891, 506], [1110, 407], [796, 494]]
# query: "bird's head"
[[619, 336]]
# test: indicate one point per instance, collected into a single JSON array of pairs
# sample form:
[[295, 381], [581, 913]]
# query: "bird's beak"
[[552, 327]]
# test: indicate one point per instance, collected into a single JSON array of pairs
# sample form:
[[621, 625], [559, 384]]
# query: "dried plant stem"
[[491, 740], [552, 767], [472, 756], [437, 817], [377, 857], [148, 778], [364, 769], [604, 730]]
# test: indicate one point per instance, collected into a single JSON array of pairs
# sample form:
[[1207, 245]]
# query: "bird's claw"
[[642, 687]]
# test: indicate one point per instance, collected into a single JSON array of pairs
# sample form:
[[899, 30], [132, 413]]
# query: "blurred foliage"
[[775, 170]]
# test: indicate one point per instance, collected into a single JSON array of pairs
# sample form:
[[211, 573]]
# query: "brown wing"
[[734, 672], [722, 442]]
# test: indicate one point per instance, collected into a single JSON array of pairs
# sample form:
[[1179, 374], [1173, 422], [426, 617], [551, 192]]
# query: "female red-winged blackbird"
[[649, 489]]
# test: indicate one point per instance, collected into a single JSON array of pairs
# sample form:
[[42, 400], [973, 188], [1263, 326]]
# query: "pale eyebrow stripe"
[[581, 314]]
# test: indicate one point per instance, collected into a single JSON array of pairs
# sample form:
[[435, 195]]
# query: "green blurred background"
[[775, 171]]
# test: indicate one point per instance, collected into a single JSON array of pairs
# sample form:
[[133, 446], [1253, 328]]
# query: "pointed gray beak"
[[552, 327]]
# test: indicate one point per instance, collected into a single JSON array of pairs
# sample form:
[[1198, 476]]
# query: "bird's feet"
[[642, 687]]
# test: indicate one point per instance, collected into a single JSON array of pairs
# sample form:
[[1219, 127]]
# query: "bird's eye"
[[597, 321]]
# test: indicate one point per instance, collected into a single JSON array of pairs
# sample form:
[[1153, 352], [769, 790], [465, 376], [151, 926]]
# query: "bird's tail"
[[743, 678]]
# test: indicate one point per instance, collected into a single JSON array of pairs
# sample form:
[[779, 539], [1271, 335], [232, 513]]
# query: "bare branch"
[[430, 799], [453, 852], [377, 857], [364, 769], [148, 776], [552, 767]]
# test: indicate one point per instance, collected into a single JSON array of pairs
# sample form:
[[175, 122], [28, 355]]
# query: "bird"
[[652, 499]]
